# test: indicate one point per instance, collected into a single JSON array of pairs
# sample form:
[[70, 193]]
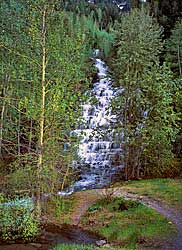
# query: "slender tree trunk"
[[64, 179], [42, 116], [125, 145], [18, 134], [3, 95], [179, 62], [1, 126], [30, 136]]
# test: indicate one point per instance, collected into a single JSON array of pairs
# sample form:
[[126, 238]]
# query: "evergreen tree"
[[137, 69], [173, 57], [174, 49]]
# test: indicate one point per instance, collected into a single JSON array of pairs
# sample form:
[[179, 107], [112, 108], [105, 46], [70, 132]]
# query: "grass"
[[86, 247], [167, 190], [74, 247], [127, 223], [60, 208]]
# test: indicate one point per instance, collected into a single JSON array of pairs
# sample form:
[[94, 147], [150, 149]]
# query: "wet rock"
[[101, 242], [107, 246]]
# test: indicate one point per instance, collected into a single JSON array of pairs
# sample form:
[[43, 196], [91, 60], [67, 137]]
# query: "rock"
[[108, 246], [101, 242]]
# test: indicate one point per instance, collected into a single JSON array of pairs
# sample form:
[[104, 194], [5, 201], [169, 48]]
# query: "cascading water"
[[100, 157]]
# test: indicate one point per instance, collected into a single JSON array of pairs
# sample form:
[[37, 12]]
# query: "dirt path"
[[84, 201], [172, 214], [87, 198]]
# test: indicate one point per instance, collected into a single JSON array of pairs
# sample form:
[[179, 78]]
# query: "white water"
[[100, 157]]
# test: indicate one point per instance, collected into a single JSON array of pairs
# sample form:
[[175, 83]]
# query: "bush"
[[17, 219]]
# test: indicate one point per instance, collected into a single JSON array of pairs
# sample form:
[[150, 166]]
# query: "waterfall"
[[100, 156]]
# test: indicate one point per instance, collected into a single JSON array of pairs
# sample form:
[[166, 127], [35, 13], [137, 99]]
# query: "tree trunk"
[[3, 95], [1, 126], [125, 145], [42, 117], [179, 62], [30, 136], [18, 134]]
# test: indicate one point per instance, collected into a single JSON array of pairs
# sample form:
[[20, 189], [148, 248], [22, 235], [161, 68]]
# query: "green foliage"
[[114, 204], [167, 13], [73, 247], [2, 198], [22, 51], [105, 41], [167, 190], [174, 49], [66, 55], [30, 227], [173, 57], [59, 207], [146, 105], [99, 38], [139, 44], [105, 13], [17, 219], [96, 23], [160, 129]]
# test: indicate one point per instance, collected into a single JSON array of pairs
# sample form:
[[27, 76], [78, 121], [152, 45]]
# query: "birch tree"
[[51, 69]]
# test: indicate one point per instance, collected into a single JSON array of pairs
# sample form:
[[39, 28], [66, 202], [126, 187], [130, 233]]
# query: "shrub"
[[17, 219]]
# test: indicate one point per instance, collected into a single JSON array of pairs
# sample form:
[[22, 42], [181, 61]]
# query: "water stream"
[[99, 154]]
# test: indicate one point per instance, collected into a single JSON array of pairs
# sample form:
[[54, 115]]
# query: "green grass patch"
[[60, 207], [86, 247], [126, 222], [74, 247], [167, 190]]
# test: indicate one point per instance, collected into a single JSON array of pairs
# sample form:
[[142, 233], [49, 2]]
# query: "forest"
[[54, 55]]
